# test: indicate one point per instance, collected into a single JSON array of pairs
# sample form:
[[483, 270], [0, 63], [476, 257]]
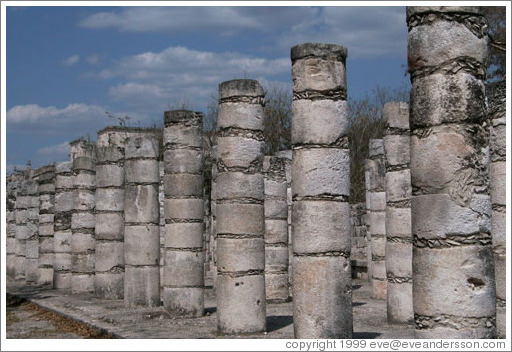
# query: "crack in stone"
[[240, 200], [344, 254], [258, 100], [339, 93], [396, 239], [185, 249], [183, 221], [451, 67], [236, 236], [241, 132], [477, 24], [454, 240], [341, 142], [322, 197], [398, 280], [177, 146], [236, 274], [399, 203], [253, 168]]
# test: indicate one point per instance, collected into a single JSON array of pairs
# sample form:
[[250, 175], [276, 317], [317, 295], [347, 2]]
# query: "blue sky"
[[67, 65]]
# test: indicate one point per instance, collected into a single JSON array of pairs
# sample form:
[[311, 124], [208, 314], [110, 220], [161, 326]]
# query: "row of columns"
[[440, 187]]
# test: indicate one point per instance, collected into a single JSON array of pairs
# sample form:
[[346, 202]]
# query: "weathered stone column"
[[10, 252], [62, 225], [213, 207], [183, 286], [161, 205], [46, 179], [287, 155], [375, 174], [142, 217], [276, 229], [83, 223], [20, 262], [241, 302], [32, 243], [497, 112], [453, 265], [322, 282], [398, 212], [109, 228]]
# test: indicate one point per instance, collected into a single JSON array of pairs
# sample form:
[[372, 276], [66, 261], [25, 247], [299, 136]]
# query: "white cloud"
[[223, 20], [70, 61], [55, 151], [160, 79], [367, 31], [93, 59], [35, 113]]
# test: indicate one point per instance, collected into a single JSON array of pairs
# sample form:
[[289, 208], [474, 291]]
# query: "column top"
[[240, 87], [181, 115], [416, 10], [325, 51]]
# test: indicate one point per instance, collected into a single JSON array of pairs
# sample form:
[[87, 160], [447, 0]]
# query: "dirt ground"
[[26, 320]]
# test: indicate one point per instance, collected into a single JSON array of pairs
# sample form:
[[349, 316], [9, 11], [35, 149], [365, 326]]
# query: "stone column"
[[10, 252], [453, 265], [20, 263], [375, 174], [213, 228], [46, 179], [287, 154], [83, 222], [241, 302], [62, 225], [322, 282], [497, 112], [398, 212], [142, 217], [109, 228], [184, 214], [276, 229], [32, 243], [161, 205]]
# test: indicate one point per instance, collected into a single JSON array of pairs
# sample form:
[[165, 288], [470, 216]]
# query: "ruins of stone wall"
[[183, 285], [241, 301], [453, 264], [322, 282], [20, 250], [375, 180], [398, 213], [497, 113]]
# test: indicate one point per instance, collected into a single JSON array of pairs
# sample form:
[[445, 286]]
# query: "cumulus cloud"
[[70, 61], [162, 78], [93, 59], [223, 20], [57, 152], [367, 31], [74, 119]]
